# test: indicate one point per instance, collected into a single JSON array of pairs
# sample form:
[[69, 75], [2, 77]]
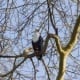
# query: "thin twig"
[[46, 69]]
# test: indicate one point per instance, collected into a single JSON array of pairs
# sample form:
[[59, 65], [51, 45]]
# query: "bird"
[[37, 43]]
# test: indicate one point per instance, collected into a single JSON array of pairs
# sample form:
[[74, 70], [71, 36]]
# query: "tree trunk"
[[62, 67]]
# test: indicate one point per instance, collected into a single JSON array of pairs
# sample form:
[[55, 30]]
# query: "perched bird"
[[37, 43]]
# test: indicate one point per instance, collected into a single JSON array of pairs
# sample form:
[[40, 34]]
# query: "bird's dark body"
[[37, 46]]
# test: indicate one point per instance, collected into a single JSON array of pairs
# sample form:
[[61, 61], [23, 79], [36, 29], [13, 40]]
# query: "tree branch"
[[74, 37], [11, 71], [34, 68], [67, 50], [46, 69], [62, 67], [51, 19], [64, 51]]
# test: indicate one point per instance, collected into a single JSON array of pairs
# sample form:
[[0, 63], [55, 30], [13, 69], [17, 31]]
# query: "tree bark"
[[65, 51], [62, 67]]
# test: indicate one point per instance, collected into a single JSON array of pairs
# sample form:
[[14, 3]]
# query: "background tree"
[[59, 24]]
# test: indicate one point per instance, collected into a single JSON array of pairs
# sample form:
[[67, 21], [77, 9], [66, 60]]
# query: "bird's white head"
[[36, 35]]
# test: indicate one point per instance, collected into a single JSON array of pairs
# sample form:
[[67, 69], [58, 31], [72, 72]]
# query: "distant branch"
[[34, 68], [46, 69], [11, 71], [50, 14]]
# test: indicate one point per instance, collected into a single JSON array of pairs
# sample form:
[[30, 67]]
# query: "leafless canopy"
[[59, 24]]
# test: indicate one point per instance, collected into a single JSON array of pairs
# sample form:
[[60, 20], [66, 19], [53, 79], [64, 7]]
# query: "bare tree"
[[59, 24]]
